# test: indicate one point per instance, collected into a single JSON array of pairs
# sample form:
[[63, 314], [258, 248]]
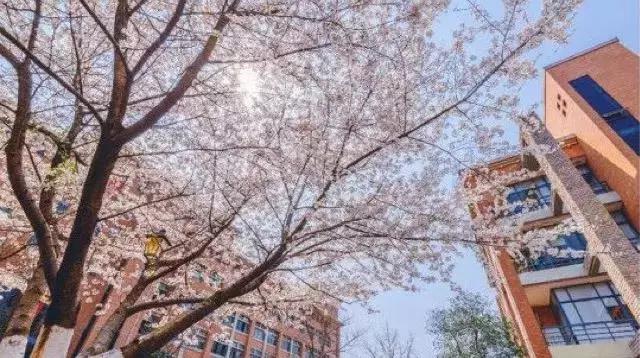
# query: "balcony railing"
[[590, 332]]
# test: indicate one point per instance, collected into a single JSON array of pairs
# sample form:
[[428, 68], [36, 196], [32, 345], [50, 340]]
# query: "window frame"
[[236, 350], [621, 220], [521, 191], [200, 333], [225, 349], [621, 121], [243, 321], [598, 186], [259, 327], [569, 332], [253, 352], [276, 337]]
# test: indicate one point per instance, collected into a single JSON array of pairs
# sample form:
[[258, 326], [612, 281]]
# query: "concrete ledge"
[[545, 213], [609, 197], [608, 349], [552, 274]]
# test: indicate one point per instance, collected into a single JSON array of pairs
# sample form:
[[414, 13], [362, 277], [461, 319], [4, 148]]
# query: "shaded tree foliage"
[[470, 328]]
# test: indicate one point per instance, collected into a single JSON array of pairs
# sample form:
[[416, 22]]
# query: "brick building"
[[247, 338], [318, 336], [585, 303]]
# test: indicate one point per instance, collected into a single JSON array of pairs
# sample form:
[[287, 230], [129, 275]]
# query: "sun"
[[248, 84]]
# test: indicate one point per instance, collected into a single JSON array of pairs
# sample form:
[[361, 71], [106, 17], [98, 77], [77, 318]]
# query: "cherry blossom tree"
[[335, 119]]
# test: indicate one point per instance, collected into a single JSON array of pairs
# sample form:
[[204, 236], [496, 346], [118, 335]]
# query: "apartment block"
[[584, 302]]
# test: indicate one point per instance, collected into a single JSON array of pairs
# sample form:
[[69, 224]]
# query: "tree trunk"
[[61, 314], [107, 334], [15, 339], [53, 342], [110, 330]]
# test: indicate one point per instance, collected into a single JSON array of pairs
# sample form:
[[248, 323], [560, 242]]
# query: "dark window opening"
[[618, 118], [531, 195], [595, 184], [629, 231], [567, 249]]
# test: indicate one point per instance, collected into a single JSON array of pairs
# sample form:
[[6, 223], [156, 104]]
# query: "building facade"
[[237, 336], [586, 301]]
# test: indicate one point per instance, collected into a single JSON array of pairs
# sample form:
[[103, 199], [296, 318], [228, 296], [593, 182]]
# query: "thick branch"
[[184, 83]]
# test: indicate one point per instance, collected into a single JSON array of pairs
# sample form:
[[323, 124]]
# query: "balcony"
[[588, 321], [592, 332], [530, 200], [547, 262], [565, 250]]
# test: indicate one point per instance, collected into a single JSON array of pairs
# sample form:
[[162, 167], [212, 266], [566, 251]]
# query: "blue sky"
[[596, 21]]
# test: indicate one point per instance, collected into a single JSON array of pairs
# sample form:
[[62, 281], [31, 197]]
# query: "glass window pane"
[[592, 311], [561, 294], [584, 291], [610, 302], [603, 289], [595, 95], [628, 231], [570, 313]]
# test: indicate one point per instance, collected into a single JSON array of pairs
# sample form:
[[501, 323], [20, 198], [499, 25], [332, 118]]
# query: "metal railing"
[[590, 332]]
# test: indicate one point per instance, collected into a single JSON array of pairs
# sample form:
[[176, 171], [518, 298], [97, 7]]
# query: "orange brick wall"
[[524, 315], [545, 316], [617, 70]]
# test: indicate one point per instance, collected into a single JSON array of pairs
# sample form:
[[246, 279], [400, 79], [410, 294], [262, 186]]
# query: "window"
[[296, 348], [311, 353], [531, 194], [572, 242], [163, 289], [259, 332], [199, 339], [147, 325], [565, 250], [593, 312], [5, 212], [236, 350], [242, 324], [597, 186], [292, 346], [272, 337], [255, 353], [629, 231], [618, 118], [215, 280], [62, 207], [219, 349], [229, 320], [197, 273], [9, 298]]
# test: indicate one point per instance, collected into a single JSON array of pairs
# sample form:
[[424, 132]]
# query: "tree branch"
[[50, 72]]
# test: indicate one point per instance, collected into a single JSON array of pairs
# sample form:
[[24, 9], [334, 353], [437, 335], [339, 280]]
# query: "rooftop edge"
[[582, 53]]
